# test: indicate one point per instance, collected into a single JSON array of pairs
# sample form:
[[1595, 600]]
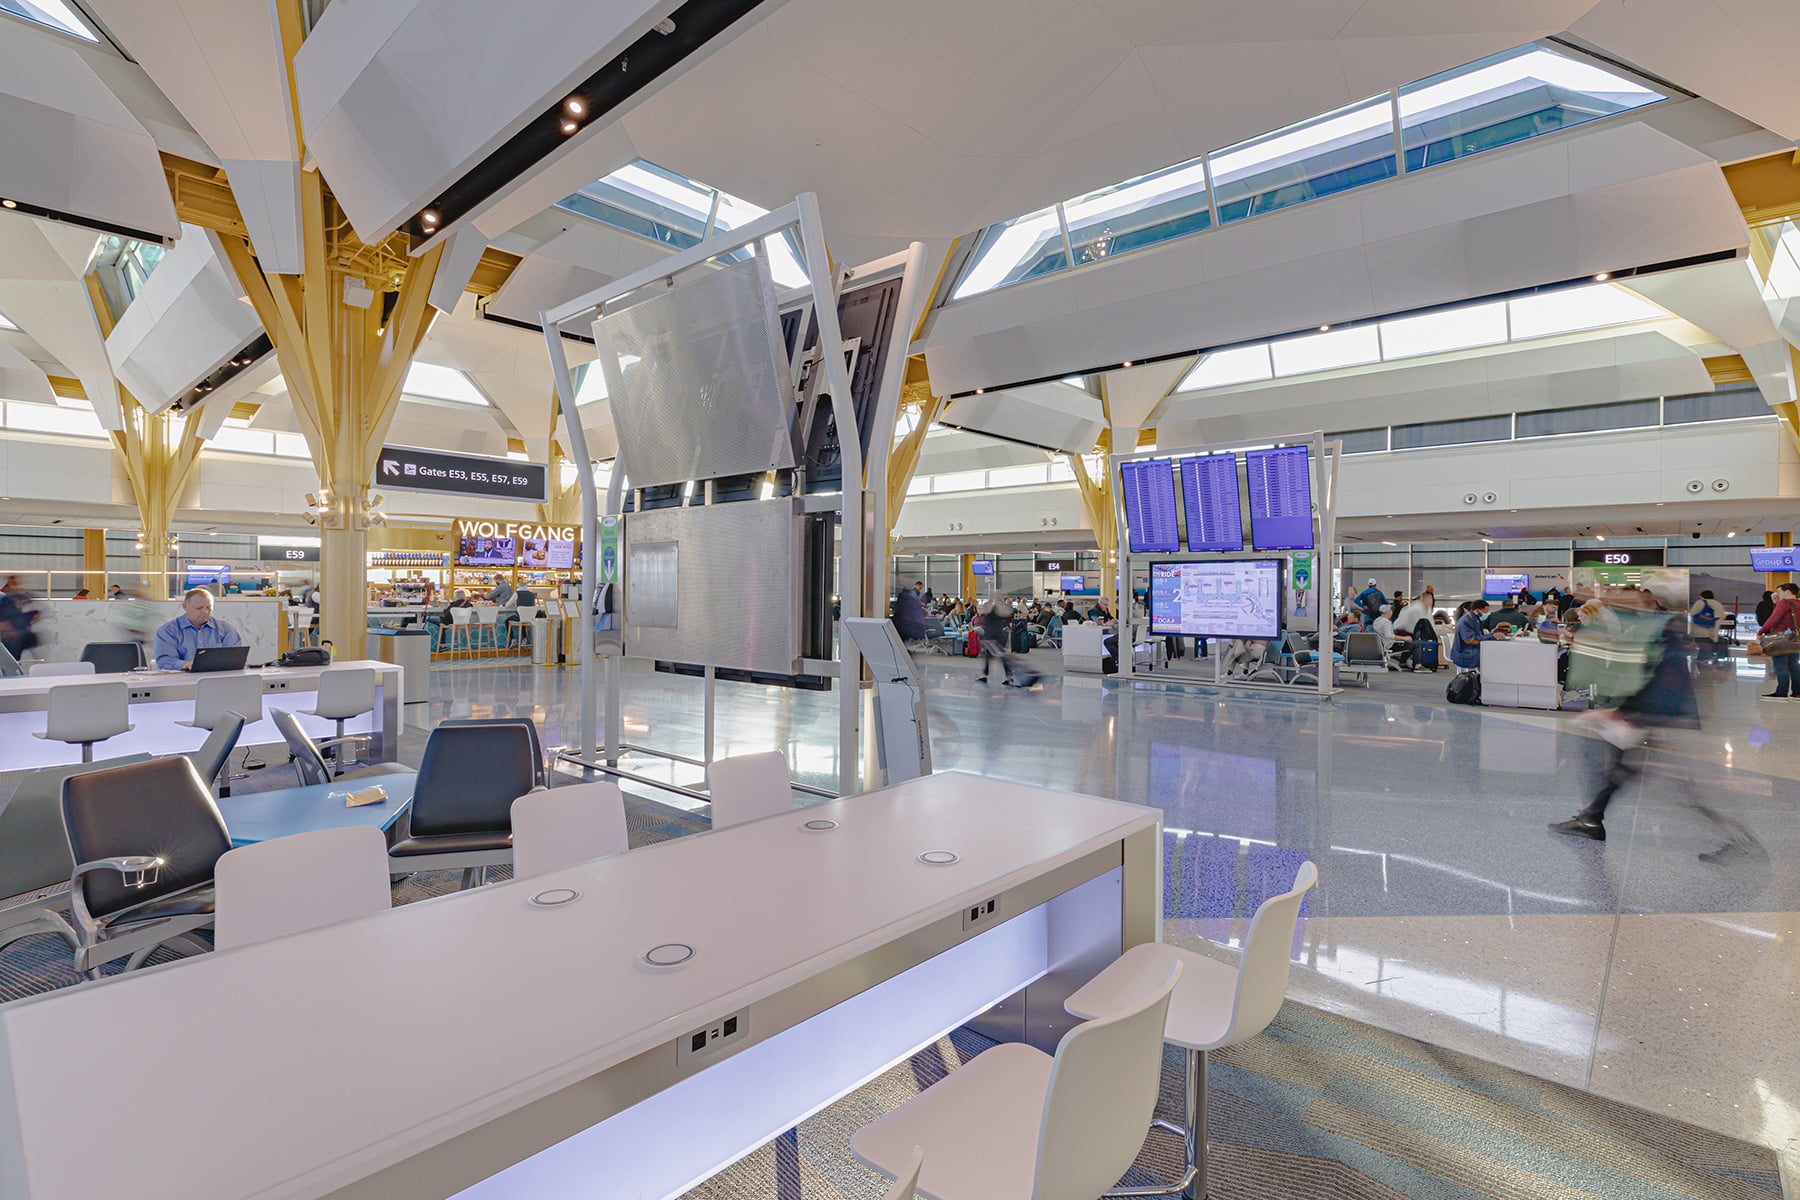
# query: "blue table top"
[[261, 816]]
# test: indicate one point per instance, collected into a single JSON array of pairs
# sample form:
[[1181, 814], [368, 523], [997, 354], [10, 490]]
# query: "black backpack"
[[1464, 688]]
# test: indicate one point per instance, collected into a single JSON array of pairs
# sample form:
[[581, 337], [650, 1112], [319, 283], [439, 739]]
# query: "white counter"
[[425, 1050], [1519, 673], [160, 699], [75, 623]]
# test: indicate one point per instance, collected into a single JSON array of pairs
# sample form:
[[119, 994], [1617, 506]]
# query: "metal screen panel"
[[698, 379], [736, 575]]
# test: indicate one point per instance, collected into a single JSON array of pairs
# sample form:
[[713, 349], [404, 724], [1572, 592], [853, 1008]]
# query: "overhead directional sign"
[[408, 469]]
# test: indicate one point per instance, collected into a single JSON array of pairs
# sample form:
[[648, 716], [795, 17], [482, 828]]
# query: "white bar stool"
[[39, 670], [1215, 1005], [486, 628], [559, 827], [462, 625], [84, 713], [747, 786], [344, 693], [217, 695]]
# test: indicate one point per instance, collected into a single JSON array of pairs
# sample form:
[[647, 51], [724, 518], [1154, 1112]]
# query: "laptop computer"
[[220, 658]]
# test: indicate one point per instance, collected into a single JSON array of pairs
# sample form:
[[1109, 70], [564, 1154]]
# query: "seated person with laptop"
[[194, 630]]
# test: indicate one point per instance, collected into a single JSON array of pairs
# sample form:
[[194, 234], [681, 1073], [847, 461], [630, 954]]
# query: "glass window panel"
[[1784, 266], [46, 418], [248, 441], [1018, 476], [647, 200], [1327, 351], [441, 383], [1138, 212], [1022, 248], [6, 324], [1062, 472], [1361, 441], [1507, 98], [291, 445], [56, 14], [1221, 368], [1453, 433], [1633, 414], [1570, 309], [1441, 332], [1329, 154], [785, 264], [959, 481], [1726, 404], [590, 384]]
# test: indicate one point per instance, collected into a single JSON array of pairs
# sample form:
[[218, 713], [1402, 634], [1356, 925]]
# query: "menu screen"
[[1149, 491], [1209, 487], [1280, 498]]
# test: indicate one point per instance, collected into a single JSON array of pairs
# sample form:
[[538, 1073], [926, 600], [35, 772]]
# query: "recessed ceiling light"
[[570, 126], [1127, 362], [429, 217], [1603, 276], [981, 391], [666, 26], [1324, 329], [9, 203], [1733, 533], [576, 106], [1599, 537]]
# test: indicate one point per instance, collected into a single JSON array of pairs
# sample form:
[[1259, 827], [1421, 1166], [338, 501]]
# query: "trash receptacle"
[[540, 642], [410, 650]]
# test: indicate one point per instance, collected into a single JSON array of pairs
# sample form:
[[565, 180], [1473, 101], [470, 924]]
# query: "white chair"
[[1015, 1122], [218, 698], [748, 786], [84, 713], [289, 884], [344, 693], [1215, 1005], [559, 827], [486, 629], [462, 625], [907, 1186], [60, 668]]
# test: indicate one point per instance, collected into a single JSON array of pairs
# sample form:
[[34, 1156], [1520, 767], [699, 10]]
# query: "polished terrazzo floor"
[[1445, 910]]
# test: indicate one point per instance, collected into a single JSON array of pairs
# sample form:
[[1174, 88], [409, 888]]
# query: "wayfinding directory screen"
[[1149, 491], [1280, 498], [1238, 598], [1209, 487]]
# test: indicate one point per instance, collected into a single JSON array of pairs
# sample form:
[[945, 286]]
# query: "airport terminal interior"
[[869, 599]]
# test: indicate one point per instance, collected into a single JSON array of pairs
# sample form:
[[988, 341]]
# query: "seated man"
[[195, 629]]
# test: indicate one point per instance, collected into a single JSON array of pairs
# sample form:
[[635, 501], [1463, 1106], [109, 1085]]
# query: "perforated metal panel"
[[735, 570], [698, 379]]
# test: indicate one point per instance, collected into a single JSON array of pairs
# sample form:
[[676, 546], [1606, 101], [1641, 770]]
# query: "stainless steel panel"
[[698, 379], [653, 595], [736, 574]]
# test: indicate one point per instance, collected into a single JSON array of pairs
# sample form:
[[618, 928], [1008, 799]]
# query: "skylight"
[[1495, 101], [1466, 327], [656, 203], [6, 324], [57, 15], [441, 383]]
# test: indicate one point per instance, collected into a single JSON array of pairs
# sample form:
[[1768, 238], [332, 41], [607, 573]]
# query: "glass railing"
[[1497, 101]]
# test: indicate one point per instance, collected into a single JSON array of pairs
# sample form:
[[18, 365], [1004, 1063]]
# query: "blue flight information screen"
[[1149, 492], [1280, 498], [1775, 558], [1209, 486]]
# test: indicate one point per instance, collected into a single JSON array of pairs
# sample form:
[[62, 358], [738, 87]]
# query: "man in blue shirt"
[[1465, 647], [194, 629]]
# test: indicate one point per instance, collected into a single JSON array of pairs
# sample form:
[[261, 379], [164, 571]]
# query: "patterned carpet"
[[1325, 1108]]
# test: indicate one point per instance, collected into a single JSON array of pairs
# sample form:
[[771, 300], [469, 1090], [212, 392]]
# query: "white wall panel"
[[185, 323]]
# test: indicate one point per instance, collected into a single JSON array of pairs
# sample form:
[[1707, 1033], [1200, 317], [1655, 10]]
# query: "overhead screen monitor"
[[207, 575], [981, 567], [1505, 585], [1209, 487], [1280, 498], [1234, 598], [1149, 491], [1776, 558], [487, 552], [552, 554], [1074, 583]]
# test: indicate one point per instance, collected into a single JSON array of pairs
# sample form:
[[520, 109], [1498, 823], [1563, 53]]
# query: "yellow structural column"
[[1780, 541], [903, 462], [1097, 506], [343, 365], [159, 451], [93, 561], [564, 505]]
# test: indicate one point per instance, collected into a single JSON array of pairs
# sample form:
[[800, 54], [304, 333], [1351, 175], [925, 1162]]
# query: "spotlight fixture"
[[1126, 363], [1603, 276], [981, 391], [576, 105], [1324, 329], [1731, 533], [666, 26], [570, 126], [428, 217], [9, 204], [1599, 537]]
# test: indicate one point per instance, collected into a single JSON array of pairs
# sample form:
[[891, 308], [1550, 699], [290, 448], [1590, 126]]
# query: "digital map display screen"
[[1238, 598]]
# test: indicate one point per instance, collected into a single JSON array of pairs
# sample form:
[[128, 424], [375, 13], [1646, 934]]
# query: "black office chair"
[[461, 812], [309, 760], [113, 658], [210, 759], [145, 839], [34, 854], [530, 726]]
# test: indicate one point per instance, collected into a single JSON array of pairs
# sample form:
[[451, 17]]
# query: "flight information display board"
[[1775, 558], [1149, 491], [1232, 598], [1209, 488], [1280, 498]]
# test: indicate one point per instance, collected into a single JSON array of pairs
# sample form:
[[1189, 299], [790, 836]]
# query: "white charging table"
[[1519, 673], [483, 1045], [161, 699]]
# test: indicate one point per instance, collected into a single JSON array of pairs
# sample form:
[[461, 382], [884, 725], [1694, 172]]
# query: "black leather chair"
[[461, 812], [145, 839], [309, 760], [34, 854], [210, 759], [530, 727], [113, 658]]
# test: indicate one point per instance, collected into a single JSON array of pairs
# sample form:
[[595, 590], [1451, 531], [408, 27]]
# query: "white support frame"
[[1323, 457], [822, 290]]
